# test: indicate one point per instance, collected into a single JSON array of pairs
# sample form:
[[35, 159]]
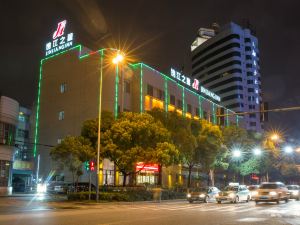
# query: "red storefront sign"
[[146, 167]]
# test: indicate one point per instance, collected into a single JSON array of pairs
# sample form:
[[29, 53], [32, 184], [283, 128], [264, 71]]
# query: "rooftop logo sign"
[[194, 84], [59, 41]]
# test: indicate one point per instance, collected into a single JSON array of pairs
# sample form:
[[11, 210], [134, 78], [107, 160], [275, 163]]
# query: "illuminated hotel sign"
[[194, 84], [60, 41]]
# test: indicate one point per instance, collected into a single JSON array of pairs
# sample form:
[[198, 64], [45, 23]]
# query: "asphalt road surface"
[[23, 212]]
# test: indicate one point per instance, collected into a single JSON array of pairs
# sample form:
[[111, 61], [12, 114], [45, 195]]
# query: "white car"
[[234, 194]]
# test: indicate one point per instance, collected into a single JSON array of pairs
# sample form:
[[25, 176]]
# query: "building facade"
[[23, 164], [9, 111], [226, 61], [69, 95]]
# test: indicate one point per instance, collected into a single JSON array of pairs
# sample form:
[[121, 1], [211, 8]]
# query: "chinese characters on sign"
[[59, 40], [195, 84]]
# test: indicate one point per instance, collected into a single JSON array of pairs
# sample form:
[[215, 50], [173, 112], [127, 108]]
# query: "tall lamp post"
[[116, 60]]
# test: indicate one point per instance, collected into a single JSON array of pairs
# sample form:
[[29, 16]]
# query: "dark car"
[[294, 191], [205, 194]]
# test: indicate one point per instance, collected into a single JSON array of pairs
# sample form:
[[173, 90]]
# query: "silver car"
[[234, 194], [294, 191]]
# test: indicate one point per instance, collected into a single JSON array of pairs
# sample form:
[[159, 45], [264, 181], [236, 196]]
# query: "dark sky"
[[156, 32]]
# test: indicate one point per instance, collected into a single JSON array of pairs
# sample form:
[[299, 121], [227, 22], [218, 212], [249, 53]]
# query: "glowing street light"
[[257, 151], [274, 137], [236, 153], [118, 58], [288, 149]]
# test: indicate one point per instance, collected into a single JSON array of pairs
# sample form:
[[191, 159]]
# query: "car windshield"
[[293, 187], [268, 186], [200, 190], [231, 188]]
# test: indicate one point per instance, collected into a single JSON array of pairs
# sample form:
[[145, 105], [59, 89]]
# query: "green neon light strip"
[[166, 94], [141, 89], [200, 107], [214, 114], [237, 121], [183, 102], [116, 91]]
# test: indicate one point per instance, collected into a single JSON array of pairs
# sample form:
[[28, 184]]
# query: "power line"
[[262, 111]]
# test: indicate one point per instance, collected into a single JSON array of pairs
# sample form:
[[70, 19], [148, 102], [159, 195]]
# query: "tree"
[[89, 128], [136, 137], [71, 153], [210, 146], [183, 134]]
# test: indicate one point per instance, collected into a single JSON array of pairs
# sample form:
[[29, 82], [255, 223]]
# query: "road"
[[23, 212]]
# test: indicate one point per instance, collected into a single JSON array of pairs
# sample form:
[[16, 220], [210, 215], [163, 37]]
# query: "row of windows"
[[229, 72], [159, 93], [63, 87], [230, 80], [233, 88], [231, 63], [235, 105], [220, 50], [221, 41], [220, 59], [234, 96]]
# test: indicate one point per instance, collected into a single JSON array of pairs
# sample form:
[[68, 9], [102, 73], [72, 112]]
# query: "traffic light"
[[87, 165], [92, 166]]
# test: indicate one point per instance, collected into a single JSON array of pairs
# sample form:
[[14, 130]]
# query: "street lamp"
[[236, 153], [257, 151], [275, 137], [116, 60], [288, 149]]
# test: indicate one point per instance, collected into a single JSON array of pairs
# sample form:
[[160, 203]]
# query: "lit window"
[[253, 53], [61, 115], [256, 91], [59, 141], [63, 88]]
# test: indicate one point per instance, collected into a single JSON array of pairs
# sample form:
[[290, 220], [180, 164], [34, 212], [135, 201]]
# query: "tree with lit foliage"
[[210, 144], [71, 153], [137, 137]]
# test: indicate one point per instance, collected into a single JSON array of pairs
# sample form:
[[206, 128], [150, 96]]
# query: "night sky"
[[157, 32]]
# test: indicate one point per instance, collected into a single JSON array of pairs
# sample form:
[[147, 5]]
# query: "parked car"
[[253, 190], [204, 194], [294, 191], [271, 192], [234, 194]]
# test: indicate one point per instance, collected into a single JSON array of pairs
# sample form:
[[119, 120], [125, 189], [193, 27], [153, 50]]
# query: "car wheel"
[[256, 202], [248, 198], [236, 200], [298, 199], [277, 201], [219, 202], [286, 200], [190, 201], [206, 199]]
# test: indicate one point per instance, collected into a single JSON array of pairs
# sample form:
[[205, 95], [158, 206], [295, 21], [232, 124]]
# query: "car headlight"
[[202, 195], [231, 195], [273, 193], [254, 193], [295, 192], [217, 195], [188, 195]]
